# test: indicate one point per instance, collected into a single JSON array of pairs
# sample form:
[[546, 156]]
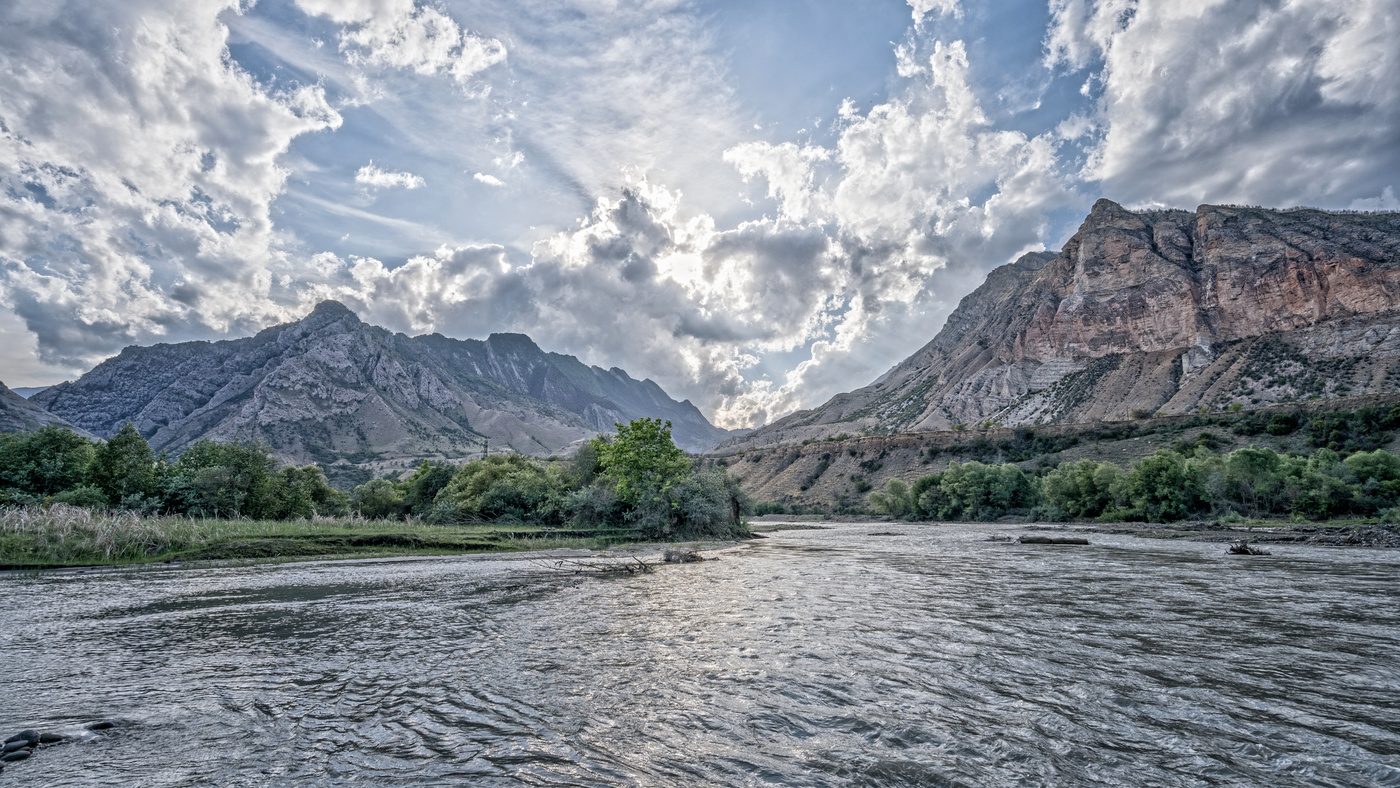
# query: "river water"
[[847, 656]]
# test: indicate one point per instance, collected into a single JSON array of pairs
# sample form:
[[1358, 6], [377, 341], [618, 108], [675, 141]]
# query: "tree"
[[124, 466], [642, 461], [228, 479], [421, 489], [304, 492], [894, 501], [378, 499], [1081, 489], [45, 462]]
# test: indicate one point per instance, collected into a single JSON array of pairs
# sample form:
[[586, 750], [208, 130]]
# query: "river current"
[[864, 654]]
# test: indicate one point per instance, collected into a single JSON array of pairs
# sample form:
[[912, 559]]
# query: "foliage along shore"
[[68, 501]]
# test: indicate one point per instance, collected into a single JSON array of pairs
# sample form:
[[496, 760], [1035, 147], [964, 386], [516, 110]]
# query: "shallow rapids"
[[864, 654]]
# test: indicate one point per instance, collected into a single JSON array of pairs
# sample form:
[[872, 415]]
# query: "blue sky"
[[756, 204]]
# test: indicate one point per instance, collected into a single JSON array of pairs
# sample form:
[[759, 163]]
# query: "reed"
[[60, 535]]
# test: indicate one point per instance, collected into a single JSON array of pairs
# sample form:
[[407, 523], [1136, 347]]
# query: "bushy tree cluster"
[[636, 481], [209, 479], [1189, 482]]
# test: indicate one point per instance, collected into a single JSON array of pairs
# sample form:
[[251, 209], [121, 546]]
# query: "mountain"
[[20, 415], [1149, 312], [330, 388], [28, 391]]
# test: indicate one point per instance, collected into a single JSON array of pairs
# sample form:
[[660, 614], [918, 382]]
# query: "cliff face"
[[330, 387], [1152, 311], [20, 415]]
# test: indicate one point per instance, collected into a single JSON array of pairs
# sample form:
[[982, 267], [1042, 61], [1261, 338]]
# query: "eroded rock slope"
[[1149, 312]]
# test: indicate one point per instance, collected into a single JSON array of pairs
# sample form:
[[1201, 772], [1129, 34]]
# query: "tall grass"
[[61, 535]]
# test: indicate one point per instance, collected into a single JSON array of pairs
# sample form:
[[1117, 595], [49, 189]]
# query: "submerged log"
[[1243, 547], [1053, 540]]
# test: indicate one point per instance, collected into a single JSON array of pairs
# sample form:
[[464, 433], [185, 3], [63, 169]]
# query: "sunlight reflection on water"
[[815, 657]]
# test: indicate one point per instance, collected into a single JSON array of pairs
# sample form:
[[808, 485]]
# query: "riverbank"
[[1333, 533], [61, 536], [1363, 532]]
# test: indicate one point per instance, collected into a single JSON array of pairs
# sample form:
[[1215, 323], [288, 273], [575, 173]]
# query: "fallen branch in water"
[[605, 566], [677, 555], [1243, 547]]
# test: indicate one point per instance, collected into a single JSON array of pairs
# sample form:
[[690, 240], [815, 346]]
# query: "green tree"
[[642, 461], [303, 492], [224, 479], [124, 466], [1161, 488], [378, 499], [974, 491], [894, 500], [421, 489], [45, 462], [1081, 489]]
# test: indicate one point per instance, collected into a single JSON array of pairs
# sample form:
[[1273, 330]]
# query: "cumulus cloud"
[[907, 230], [401, 34], [1223, 101], [137, 170], [923, 8], [489, 180], [375, 178]]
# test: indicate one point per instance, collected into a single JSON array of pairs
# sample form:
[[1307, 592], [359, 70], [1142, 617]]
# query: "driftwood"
[[1053, 540], [604, 566], [1243, 547], [678, 555]]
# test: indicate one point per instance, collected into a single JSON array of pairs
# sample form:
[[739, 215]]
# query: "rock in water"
[[51, 738], [15, 745], [17, 755], [31, 736], [102, 726]]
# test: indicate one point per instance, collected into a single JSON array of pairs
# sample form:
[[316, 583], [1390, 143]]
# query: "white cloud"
[[1387, 201], [489, 180], [375, 178], [137, 170], [400, 34], [1224, 101], [923, 8], [787, 167]]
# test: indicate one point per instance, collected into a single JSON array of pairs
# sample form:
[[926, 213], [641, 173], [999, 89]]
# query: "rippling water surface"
[[833, 657]]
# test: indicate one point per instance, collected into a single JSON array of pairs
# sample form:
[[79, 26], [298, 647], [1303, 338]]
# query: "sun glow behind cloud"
[[651, 221]]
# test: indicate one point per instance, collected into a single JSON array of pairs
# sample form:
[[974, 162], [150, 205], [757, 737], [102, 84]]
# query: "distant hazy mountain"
[[28, 391], [19, 415], [1149, 312], [330, 388]]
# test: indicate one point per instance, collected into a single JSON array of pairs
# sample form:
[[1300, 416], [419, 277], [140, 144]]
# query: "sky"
[[756, 203]]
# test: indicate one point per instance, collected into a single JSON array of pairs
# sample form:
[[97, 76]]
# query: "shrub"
[[377, 499], [1082, 489], [893, 500]]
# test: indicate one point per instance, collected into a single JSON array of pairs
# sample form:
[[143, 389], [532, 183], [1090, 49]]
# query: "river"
[[863, 654]]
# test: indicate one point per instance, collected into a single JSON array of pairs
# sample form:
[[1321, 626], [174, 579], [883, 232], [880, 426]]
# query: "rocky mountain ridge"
[[330, 388], [20, 415], [1149, 312]]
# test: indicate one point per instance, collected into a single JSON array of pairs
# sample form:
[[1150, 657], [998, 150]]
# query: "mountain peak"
[[332, 310]]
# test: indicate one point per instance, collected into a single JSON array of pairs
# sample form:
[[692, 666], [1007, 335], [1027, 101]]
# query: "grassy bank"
[[66, 536]]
